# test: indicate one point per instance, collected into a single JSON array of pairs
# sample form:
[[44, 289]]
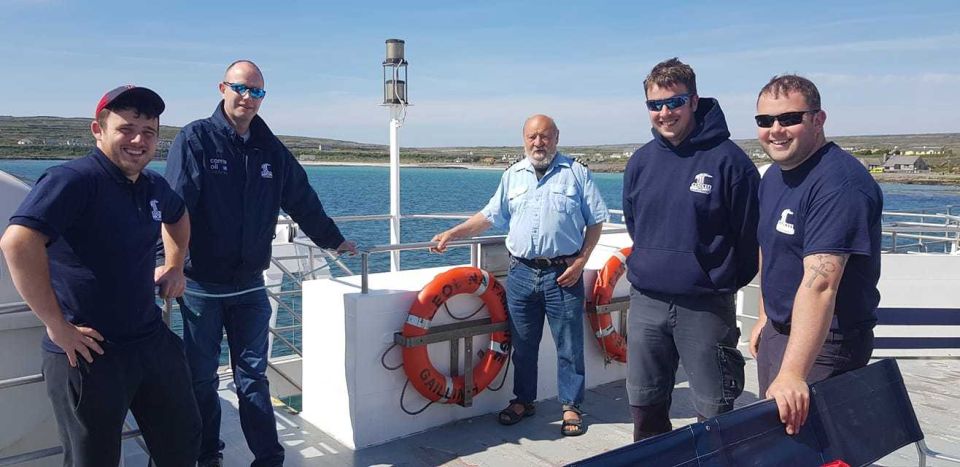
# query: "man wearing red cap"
[[81, 253]]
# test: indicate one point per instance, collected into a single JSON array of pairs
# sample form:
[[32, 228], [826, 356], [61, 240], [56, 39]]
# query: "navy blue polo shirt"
[[828, 204], [103, 231]]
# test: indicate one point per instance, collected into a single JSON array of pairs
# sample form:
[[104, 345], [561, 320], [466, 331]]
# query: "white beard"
[[540, 164]]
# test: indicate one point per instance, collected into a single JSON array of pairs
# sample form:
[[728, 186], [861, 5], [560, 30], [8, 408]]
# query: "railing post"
[[364, 272]]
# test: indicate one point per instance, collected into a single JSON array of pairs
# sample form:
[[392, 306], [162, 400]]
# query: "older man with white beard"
[[554, 214]]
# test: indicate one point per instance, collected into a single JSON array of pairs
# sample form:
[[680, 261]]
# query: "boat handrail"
[[13, 307], [21, 381], [926, 233], [473, 243]]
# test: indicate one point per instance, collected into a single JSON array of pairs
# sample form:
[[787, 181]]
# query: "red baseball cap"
[[137, 93]]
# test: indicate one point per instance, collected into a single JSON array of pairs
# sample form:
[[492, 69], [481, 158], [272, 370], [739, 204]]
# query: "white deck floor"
[[934, 387]]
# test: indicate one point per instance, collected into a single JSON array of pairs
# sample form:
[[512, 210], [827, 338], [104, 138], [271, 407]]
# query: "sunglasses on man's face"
[[256, 93], [654, 105], [785, 119]]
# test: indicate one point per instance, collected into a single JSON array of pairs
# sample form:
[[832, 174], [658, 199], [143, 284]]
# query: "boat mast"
[[395, 97]]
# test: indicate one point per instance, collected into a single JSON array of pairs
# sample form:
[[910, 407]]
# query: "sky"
[[478, 69]]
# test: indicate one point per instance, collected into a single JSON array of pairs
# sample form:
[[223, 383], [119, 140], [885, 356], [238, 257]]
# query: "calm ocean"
[[365, 191]]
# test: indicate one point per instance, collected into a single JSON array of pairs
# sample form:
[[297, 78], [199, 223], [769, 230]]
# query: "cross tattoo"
[[825, 267]]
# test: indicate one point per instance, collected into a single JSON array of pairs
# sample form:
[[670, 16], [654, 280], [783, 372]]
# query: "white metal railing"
[[927, 230]]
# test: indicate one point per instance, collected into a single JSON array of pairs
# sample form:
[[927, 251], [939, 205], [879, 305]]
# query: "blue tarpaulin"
[[857, 417]]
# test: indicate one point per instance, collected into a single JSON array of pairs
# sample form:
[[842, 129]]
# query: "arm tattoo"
[[826, 264]]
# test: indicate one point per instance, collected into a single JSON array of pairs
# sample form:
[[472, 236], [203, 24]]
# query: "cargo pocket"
[[731, 372]]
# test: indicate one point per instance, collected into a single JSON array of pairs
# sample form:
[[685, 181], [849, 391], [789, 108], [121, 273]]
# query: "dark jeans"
[[532, 295], [246, 319], [698, 331], [840, 353], [149, 378]]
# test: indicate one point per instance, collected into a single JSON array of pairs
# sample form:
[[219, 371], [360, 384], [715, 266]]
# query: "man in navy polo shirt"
[[235, 176], [81, 251], [819, 231], [690, 205]]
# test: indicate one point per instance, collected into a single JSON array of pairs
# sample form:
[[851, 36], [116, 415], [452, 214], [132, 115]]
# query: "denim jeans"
[[246, 319], [533, 294]]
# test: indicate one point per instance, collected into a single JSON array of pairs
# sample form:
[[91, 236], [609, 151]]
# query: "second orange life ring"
[[612, 342], [416, 361]]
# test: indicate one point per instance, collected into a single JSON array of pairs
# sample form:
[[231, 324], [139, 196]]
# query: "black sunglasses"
[[785, 119], [654, 105]]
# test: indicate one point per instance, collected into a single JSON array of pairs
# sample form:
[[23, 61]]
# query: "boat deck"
[[933, 384]]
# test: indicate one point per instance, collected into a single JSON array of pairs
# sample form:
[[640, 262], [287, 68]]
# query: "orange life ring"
[[416, 361], [612, 343]]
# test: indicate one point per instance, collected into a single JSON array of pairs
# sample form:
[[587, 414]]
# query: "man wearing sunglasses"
[[819, 236], [235, 176], [690, 205]]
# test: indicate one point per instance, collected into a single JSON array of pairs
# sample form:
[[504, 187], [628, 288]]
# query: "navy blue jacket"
[[692, 211], [234, 191], [102, 231]]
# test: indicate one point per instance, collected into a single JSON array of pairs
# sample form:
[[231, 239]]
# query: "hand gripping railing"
[[473, 243]]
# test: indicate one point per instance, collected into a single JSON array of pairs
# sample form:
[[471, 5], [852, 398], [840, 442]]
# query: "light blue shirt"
[[546, 218]]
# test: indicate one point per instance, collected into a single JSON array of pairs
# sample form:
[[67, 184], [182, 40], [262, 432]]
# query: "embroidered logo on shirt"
[[701, 185], [155, 211], [782, 225], [218, 165], [265, 171]]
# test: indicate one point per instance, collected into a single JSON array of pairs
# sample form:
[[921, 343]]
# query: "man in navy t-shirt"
[[690, 205], [819, 237], [81, 252]]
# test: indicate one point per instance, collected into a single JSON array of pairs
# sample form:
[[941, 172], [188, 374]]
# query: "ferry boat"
[[357, 406]]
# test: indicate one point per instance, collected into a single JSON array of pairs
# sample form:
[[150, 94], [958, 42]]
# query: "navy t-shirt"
[[103, 231], [828, 204]]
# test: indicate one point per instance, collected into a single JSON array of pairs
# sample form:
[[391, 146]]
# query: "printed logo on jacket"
[[217, 165], [701, 184]]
